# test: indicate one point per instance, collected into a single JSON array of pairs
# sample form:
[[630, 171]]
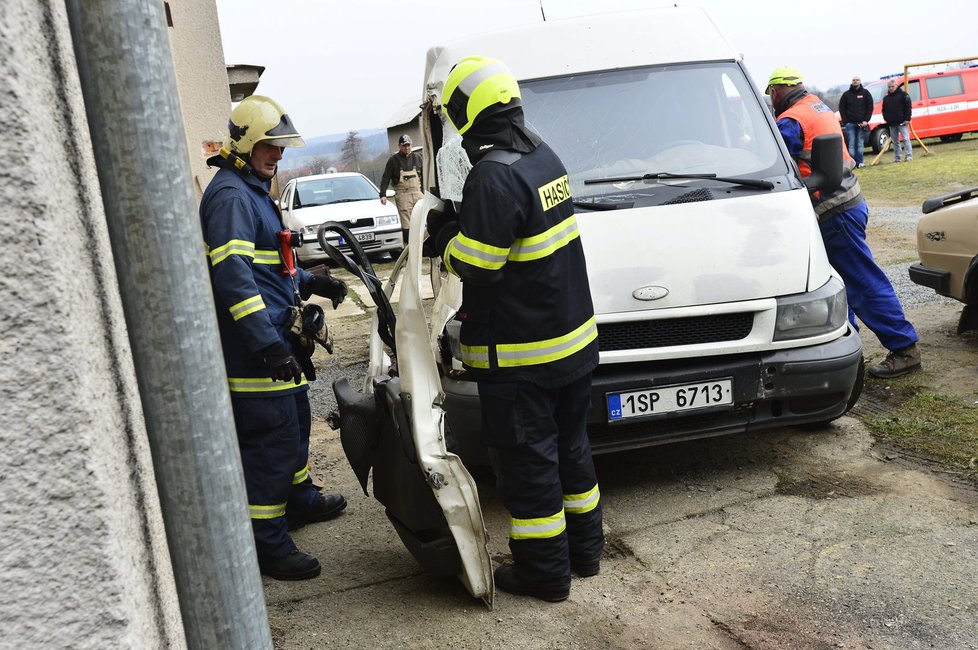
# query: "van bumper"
[[782, 388], [776, 389]]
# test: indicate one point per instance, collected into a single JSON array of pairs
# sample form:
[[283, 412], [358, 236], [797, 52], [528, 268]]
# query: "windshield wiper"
[[747, 182], [345, 201], [589, 205]]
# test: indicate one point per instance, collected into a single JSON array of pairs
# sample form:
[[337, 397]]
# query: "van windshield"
[[681, 119]]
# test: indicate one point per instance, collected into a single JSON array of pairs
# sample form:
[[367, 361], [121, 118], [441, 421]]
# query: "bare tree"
[[350, 154]]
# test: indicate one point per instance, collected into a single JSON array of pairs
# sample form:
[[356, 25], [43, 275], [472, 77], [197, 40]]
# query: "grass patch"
[[942, 427], [949, 167]]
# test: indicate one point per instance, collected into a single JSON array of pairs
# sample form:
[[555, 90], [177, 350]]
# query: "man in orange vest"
[[842, 217]]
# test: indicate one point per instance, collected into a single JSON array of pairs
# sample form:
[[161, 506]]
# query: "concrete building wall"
[[83, 557], [202, 80]]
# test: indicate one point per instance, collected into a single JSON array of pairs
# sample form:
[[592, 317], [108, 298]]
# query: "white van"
[[697, 282], [705, 261]]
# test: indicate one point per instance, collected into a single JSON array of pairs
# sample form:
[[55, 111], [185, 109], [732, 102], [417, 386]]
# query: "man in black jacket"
[[896, 114], [855, 109]]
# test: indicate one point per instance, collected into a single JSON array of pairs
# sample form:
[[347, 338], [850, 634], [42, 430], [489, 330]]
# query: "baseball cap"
[[404, 139]]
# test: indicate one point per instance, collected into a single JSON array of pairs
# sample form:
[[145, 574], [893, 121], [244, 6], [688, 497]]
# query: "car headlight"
[[310, 230], [388, 220], [812, 314]]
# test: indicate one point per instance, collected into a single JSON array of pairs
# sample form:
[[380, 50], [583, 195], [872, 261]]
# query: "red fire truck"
[[945, 102]]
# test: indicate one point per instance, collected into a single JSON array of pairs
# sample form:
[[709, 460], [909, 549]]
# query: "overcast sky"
[[342, 65]]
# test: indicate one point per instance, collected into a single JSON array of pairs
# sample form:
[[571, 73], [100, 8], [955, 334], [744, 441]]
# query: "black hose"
[[360, 266]]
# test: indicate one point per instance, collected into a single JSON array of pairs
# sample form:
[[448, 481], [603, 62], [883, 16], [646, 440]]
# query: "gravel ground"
[[911, 295]]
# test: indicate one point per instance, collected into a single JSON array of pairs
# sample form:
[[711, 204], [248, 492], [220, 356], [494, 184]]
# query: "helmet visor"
[[283, 134]]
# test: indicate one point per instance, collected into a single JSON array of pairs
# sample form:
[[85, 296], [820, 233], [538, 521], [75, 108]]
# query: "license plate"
[[670, 399], [363, 236]]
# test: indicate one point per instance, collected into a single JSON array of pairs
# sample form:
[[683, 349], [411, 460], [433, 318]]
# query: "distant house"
[[407, 120]]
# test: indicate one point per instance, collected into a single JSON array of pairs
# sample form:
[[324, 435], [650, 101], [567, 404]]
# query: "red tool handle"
[[286, 239]]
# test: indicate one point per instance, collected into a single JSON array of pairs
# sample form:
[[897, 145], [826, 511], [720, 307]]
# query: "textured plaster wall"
[[202, 81], [83, 558]]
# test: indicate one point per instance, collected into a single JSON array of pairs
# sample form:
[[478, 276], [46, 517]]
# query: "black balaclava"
[[503, 130]]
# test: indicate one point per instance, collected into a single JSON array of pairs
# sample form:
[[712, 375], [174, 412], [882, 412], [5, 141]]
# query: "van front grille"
[[674, 331]]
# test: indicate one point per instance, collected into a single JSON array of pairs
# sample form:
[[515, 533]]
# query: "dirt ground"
[[788, 539]]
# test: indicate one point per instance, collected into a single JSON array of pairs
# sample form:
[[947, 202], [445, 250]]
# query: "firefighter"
[[528, 330], [257, 300], [842, 217]]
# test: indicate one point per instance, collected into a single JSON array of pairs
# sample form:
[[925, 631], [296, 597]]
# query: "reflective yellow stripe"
[[475, 356], [554, 193], [577, 504], [233, 247], [511, 355], [262, 384], [263, 256], [540, 528], [301, 475], [546, 243], [476, 253], [266, 512], [247, 306]]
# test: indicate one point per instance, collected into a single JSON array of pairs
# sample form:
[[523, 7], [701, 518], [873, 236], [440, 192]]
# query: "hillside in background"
[[329, 147]]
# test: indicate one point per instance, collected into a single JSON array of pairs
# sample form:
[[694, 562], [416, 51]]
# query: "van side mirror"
[[826, 163]]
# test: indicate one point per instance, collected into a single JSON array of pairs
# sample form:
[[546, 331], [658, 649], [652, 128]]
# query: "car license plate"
[[670, 399], [363, 236]]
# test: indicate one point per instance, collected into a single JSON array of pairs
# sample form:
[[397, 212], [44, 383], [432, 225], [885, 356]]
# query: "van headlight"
[[388, 220], [812, 314]]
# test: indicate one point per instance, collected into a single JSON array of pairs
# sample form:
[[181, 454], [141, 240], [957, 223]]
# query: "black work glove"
[[442, 226], [281, 364], [328, 287]]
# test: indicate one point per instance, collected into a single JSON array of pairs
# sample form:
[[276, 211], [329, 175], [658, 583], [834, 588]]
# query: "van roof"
[[602, 42]]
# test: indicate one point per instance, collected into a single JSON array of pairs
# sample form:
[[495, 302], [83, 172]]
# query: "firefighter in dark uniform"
[[256, 302], [529, 334]]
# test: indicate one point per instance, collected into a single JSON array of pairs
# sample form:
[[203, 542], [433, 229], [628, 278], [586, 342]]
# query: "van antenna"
[[542, 12]]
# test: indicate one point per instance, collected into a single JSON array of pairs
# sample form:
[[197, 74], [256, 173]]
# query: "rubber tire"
[[954, 137], [878, 138]]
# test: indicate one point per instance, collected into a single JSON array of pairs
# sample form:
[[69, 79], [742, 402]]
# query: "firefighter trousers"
[[547, 476], [273, 436]]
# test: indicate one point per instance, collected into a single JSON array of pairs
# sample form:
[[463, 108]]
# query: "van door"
[[396, 428]]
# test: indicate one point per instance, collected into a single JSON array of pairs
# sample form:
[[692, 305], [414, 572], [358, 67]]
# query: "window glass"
[[323, 191], [944, 86], [914, 91], [693, 119]]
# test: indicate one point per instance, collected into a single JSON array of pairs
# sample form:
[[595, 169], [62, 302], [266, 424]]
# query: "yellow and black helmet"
[[478, 86], [260, 119], [783, 76]]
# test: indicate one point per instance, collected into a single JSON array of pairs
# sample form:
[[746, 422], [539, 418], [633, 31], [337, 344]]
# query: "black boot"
[[294, 566], [328, 506], [507, 580], [586, 568]]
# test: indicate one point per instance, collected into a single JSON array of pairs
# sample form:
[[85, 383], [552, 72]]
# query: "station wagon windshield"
[[323, 191], [697, 119]]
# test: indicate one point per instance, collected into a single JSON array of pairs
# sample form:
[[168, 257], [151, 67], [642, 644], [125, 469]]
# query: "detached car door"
[[395, 426]]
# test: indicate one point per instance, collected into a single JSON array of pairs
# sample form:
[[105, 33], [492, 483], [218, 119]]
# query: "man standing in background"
[[856, 109], [403, 172], [897, 110]]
